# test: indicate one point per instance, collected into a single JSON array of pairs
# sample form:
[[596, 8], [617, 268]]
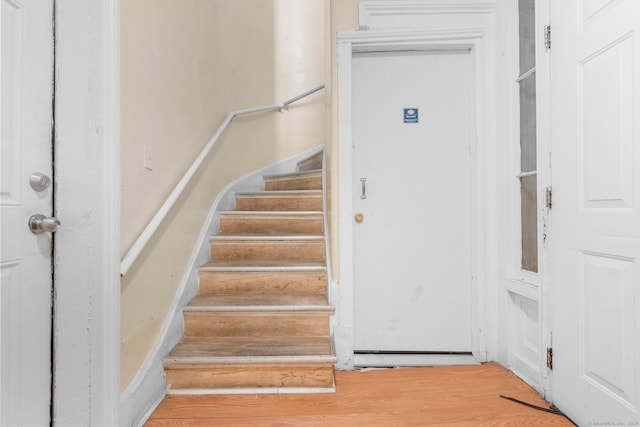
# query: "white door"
[[595, 131], [25, 264], [412, 249]]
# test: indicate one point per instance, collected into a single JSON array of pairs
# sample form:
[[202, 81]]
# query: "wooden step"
[[297, 322], [282, 376], [257, 249], [313, 162], [233, 364], [226, 347], [257, 315], [271, 223], [306, 180], [289, 279], [270, 302], [298, 200]]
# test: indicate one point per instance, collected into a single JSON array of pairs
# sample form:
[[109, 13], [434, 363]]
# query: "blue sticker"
[[410, 115]]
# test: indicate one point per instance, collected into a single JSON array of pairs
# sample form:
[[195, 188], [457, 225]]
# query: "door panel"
[[25, 264], [412, 250], [596, 219]]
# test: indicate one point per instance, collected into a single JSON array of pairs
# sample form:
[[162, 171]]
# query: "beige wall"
[[185, 66]]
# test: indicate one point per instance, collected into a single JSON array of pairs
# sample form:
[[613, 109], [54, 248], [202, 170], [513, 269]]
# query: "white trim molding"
[[375, 15], [392, 35], [368, 10], [423, 39]]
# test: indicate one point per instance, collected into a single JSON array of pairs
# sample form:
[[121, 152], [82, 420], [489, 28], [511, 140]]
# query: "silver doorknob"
[[39, 224]]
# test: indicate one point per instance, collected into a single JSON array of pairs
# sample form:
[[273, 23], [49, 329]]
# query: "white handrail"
[[155, 222]]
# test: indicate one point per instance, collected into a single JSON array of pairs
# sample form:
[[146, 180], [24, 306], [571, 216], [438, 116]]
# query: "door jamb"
[[395, 40], [87, 262], [545, 225]]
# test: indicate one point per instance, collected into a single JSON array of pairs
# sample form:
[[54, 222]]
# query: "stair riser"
[[287, 204], [255, 325], [297, 282], [270, 226], [250, 377], [298, 183], [267, 252]]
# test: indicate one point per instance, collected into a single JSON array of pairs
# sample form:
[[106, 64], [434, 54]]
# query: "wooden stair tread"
[[256, 361], [264, 266], [266, 301], [306, 173], [262, 303], [280, 200], [252, 280], [271, 223], [306, 180], [267, 238], [226, 347], [282, 193], [272, 214]]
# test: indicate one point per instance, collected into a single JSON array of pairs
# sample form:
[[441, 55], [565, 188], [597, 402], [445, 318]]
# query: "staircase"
[[260, 323]]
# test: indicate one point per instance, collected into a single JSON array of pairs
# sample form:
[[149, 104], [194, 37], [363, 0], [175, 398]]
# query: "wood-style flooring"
[[451, 396]]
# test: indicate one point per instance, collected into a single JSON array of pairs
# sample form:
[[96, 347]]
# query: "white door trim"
[[369, 9], [389, 40], [527, 290], [87, 262]]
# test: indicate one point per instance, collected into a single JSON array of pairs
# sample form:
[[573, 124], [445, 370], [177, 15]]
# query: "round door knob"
[[359, 217], [39, 224]]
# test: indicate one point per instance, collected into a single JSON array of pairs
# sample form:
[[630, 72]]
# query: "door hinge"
[[547, 36], [549, 357], [549, 198]]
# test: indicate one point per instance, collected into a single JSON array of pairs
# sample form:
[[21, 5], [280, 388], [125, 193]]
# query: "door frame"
[[86, 371], [350, 42], [522, 288]]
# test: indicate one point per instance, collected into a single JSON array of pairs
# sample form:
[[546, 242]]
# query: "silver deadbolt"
[[39, 224], [39, 182]]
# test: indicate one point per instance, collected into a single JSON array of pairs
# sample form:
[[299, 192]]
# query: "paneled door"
[[595, 132], [26, 190], [412, 203]]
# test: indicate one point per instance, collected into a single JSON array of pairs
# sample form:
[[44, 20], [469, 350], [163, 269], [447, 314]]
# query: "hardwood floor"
[[453, 396]]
